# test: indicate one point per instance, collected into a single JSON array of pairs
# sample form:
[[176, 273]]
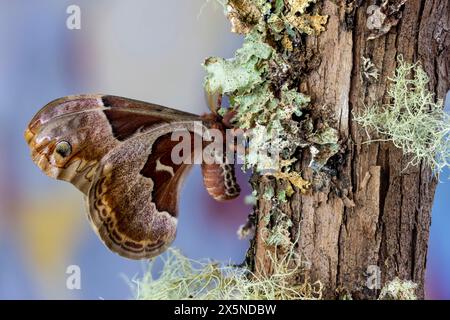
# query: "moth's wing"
[[122, 112], [93, 125], [127, 116], [133, 202]]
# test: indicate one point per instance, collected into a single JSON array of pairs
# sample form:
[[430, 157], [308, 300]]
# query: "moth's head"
[[57, 136], [51, 151]]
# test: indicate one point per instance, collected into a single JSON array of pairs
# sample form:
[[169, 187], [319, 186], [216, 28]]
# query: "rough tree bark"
[[375, 212]]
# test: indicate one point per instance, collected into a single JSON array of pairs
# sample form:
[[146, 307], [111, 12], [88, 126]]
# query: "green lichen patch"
[[251, 198], [282, 196], [258, 81], [268, 193], [278, 236], [242, 73], [413, 121]]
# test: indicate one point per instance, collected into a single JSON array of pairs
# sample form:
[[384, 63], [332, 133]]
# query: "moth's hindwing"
[[133, 201]]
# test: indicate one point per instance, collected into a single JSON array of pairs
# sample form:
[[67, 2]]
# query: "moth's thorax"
[[212, 121]]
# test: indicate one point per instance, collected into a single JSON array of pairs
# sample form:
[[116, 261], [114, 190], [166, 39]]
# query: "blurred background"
[[143, 49]]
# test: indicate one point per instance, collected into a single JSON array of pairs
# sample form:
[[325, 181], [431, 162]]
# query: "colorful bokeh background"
[[143, 49]]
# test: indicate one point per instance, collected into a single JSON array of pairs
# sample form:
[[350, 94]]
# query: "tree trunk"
[[376, 212]]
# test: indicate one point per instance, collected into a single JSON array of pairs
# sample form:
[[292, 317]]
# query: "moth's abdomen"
[[220, 181]]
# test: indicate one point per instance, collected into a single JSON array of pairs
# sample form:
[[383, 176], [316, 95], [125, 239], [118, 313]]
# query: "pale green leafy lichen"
[[255, 107], [326, 135], [241, 73], [413, 121], [270, 119], [325, 145]]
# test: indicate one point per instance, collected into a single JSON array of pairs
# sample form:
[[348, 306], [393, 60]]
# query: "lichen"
[[182, 278], [399, 290], [300, 6], [297, 18], [307, 23], [369, 70], [278, 236], [243, 15], [381, 19], [268, 193], [413, 121], [242, 73], [281, 196], [295, 179], [251, 198], [263, 99]]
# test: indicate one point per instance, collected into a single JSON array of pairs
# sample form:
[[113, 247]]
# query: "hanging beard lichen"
[[413, 121]]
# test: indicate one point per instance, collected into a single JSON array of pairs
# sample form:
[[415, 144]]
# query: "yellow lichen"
[[287, 43], [306, 23], [300, 5], [311, 24], [243, 15], [294, 178]]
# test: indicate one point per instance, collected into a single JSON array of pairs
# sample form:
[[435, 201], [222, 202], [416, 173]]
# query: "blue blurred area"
[[143, 49], [438, 263]]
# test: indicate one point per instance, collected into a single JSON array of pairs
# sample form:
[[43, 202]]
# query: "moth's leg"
[[214, 101]]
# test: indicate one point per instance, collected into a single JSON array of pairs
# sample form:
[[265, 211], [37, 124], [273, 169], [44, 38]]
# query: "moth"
[[117, 152]]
